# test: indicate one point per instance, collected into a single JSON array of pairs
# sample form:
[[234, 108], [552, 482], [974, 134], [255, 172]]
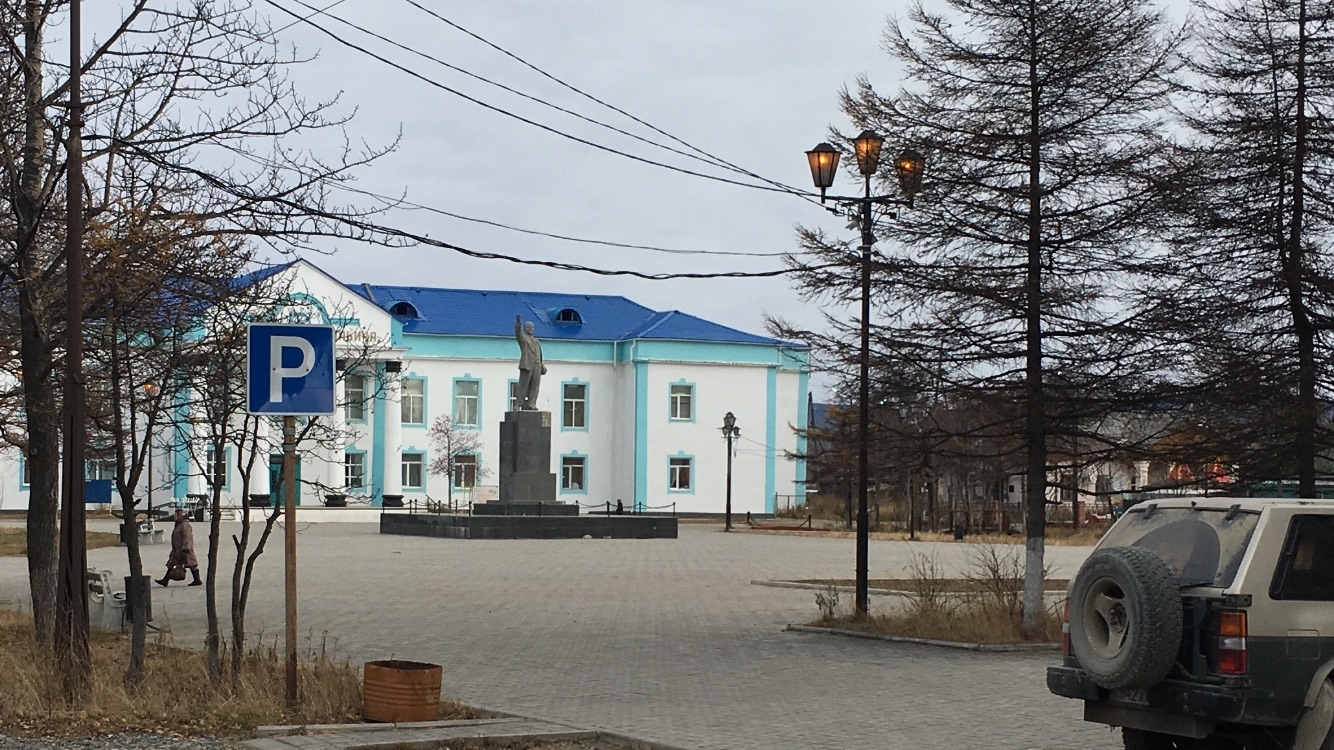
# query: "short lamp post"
[[151, 390], [730, 433], [909, 167]]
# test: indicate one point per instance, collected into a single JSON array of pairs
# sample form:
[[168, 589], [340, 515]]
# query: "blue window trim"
[[23, 466], [426, 401], [366, 380], [365, 471], [418, 451], [478, 477], [694, 406], [511, 404], [227, 466], [588, 394], [573, 454], [694, 478], [454, 402]]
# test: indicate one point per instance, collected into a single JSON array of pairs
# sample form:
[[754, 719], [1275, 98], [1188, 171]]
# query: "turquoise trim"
[[180, 454], [694, 407], [426, 405], [770, 439], [396, 331], [307, 299], [641, 432], [412, 450], [345, 322], [573, 454], [803, 429], [706, 352], [588, 402], [365, 469], [23, 470], [454, 406], [505, 348], [794, 359], [694, 479], [378, 406]]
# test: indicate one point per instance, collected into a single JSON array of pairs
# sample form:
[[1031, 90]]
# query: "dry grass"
[[14, 541], [948, 585], [985, 607], [176, 696], [1056, 536]]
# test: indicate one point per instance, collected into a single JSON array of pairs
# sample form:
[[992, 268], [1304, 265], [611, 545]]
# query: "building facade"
[[636, 397]]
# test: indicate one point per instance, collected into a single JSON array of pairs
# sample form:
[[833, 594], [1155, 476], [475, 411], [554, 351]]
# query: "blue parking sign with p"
[[290, 369]]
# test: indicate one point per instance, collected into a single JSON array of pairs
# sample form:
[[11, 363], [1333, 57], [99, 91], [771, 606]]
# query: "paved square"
[[661, 639]]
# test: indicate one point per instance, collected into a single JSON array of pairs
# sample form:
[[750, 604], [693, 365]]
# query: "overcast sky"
[[752, 81]]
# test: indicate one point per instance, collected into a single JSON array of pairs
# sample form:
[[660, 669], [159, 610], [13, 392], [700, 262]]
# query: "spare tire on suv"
[[1125, 618]]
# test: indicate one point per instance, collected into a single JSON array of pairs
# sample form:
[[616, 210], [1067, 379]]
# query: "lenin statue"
[[531, 368]]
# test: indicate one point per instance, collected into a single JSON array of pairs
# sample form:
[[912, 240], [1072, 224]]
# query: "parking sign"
[[290, 369]]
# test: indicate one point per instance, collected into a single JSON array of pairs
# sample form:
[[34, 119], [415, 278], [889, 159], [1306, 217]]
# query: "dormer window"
[[568, 316], [404, 310]]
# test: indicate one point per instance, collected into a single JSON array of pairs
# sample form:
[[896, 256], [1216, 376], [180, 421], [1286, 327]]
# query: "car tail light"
[[1065, 630], [1232, 658]]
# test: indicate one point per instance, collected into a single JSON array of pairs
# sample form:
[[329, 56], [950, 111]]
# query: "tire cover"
[[1315, 731], [1125, 618]]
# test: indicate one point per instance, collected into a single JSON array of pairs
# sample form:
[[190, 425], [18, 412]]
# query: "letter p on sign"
[[290, 369]]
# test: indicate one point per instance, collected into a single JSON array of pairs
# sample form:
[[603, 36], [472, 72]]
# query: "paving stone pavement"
[[664, 640]]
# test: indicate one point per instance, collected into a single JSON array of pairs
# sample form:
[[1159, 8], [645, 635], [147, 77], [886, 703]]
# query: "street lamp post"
[[824, 165], [730, 432]]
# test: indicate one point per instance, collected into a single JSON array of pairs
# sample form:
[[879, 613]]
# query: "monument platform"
[[525, 509], [450, 526]]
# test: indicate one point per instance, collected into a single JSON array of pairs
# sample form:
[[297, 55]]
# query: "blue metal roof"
[[480, 312]]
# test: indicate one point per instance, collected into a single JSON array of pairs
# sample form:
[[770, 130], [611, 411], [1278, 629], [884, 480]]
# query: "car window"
[[1306, 569], [1202, 547]]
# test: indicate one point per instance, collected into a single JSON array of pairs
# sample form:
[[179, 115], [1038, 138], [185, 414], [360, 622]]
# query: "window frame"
[[583, 472], [1287, 558], [403, 397], [564, 400], [348, 403], [476, 464], [691, 477], [348, 486], [672, 410], [404, 474], [477, 403], [227, 468], [512, 404]]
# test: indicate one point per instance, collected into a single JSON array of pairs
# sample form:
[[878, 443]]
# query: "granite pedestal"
[[528, 527]]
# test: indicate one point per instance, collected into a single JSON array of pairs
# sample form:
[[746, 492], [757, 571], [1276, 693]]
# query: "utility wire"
[[711, 161], [403, 203], [786, 188], [520, 118]]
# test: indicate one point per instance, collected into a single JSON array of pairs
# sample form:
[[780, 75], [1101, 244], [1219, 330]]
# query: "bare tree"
[[448, 443]]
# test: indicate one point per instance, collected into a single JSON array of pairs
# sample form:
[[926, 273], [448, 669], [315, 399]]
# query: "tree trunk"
[[1293, 260], [1035, 432], [214, 640]]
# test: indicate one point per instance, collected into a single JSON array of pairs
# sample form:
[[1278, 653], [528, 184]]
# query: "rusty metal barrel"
[[395, 690]]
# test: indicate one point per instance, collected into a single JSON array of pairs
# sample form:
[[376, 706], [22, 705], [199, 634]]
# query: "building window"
[[354, 470], [574, 411], [354, 397], [100, 468], [514, 395], [404, 310], [678, 473], [211, 468], [573, 473], [683, 398], [412, 470], [413, 401], [465, 470], [569, 316], [25, 472], [465, 402]]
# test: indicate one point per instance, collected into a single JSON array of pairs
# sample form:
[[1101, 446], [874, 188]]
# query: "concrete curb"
[[826, 587], [287, 730], [987, 648]]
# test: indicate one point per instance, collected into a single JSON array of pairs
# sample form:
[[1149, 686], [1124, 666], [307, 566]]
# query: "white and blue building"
[[636, 397]]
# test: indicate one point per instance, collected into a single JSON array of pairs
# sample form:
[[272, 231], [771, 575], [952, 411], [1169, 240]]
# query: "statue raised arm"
[[531, 367]]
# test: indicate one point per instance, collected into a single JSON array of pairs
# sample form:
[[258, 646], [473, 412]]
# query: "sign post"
[[290, 372]]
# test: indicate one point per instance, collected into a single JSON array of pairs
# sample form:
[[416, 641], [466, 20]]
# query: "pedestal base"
[[525, 509], [528, 527]]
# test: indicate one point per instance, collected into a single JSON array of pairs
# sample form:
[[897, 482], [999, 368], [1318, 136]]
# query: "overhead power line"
[[515, 116], [531, 66], [399, 202]]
